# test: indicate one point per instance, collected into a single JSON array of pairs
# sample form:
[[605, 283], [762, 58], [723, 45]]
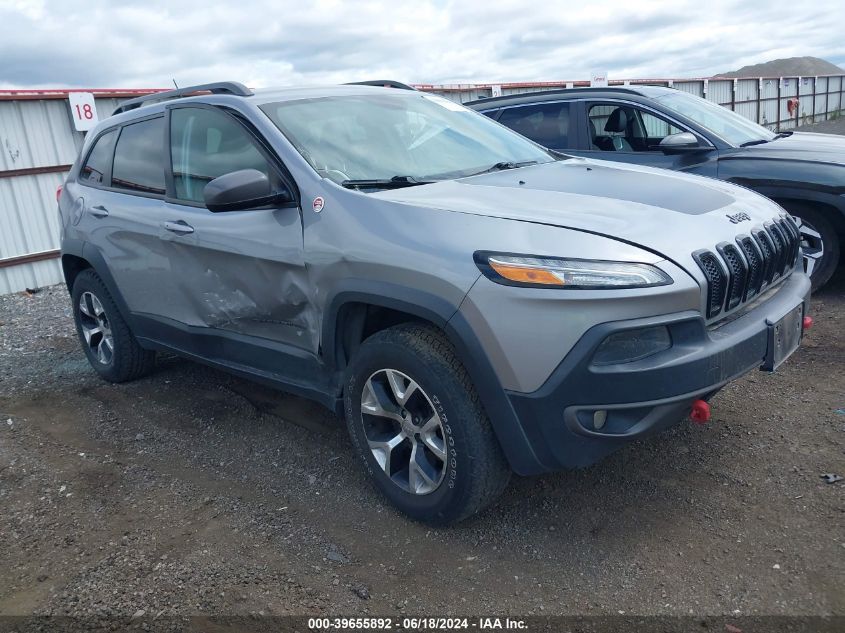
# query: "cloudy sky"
[[147, 43]]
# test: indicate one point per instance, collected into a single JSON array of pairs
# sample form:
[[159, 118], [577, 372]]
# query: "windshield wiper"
[[505, 164], [396, 182], [784, 134], [759, 141]]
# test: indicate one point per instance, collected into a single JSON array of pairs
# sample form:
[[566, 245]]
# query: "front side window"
[[544, 123], [139, 157], [625, 128], [413, 135], [96, 168], [205, 144]]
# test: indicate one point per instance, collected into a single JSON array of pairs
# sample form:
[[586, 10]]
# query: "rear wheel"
[[419, 428], [105, 337]]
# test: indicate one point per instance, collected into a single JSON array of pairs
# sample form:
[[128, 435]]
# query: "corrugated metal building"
[[38, 143]]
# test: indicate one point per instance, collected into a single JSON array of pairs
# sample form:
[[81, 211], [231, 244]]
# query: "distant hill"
[[790, 67]]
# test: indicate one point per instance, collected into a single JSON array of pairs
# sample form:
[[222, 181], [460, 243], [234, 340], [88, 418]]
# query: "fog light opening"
[[599, 418], [628, 346]]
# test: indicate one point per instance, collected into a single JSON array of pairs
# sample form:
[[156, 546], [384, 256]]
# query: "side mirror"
[[243, 189], [680, 143]]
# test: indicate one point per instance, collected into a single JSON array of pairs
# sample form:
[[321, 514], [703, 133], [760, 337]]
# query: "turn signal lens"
[[524, 274], [568, 273]]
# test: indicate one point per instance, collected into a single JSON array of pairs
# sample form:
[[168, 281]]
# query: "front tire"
[[105, 336], [419, 428], [819, 243]]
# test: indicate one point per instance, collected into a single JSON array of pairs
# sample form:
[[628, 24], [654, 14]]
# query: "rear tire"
[[419, 428], [106, 339]]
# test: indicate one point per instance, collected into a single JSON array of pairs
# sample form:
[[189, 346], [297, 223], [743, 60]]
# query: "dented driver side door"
[[240, 273]]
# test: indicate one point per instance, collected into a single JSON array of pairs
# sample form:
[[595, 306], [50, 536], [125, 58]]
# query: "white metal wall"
[[34, 133], [763, 100]]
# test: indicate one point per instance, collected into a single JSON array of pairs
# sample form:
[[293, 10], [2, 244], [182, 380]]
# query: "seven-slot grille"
[[739, 272]]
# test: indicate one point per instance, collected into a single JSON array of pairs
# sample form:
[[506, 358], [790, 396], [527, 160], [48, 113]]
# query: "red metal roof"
[[62, 93]]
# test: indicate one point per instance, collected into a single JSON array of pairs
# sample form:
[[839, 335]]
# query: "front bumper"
[[645, 396]]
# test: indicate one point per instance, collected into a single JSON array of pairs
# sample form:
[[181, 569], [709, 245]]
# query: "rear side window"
[[205, 144], [96, 168], [544, 123], [139, 157]]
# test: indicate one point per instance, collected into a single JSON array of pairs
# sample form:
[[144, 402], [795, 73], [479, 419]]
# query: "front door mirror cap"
[[242, 189], [681, 142]]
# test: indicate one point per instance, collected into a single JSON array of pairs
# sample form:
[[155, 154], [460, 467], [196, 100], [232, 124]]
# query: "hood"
[[803, 146], [668, 213]]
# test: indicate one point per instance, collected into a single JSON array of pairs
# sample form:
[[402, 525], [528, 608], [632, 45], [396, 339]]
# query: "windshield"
[[382, 136], [730, 126]]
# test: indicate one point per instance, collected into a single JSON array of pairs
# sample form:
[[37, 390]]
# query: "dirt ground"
[[193, 492], [831, 126]]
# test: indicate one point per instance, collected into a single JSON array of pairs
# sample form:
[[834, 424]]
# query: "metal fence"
[[38, 143], [778, 103]]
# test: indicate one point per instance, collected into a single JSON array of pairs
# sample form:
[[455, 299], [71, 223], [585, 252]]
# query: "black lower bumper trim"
[[646, 396]]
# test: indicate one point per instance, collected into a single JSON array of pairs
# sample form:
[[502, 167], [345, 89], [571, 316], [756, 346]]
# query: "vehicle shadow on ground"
[[646, 476]]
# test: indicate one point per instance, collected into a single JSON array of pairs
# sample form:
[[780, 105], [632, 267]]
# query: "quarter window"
[[96, 168], [205, 144], [139, 157]]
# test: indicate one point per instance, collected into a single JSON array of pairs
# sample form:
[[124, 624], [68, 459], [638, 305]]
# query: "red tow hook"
[[700, 412], [807, 323]]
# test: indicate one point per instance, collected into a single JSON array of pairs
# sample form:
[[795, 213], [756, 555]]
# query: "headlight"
[[577, 274]]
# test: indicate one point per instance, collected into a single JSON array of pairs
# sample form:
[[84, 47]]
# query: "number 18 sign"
[[83, 110]]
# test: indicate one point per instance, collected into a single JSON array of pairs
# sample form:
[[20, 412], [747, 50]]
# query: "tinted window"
[[97, 166], [205, 144], [545, 123], [627, 129], [138, 157]]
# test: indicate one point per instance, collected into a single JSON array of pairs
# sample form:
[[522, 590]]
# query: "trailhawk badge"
[[318, 204], [736, 218]]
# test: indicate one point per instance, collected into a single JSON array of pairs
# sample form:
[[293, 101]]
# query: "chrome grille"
[[738, 272]]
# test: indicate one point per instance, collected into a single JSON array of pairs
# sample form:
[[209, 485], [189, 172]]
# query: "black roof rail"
[[220, 87], [383, 83], [556, 91]]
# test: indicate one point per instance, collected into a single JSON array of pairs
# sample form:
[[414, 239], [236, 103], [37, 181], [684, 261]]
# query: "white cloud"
[[147, 43]]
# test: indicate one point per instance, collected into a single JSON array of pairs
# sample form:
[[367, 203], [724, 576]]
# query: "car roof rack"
[[556, 91], [220, 87], [383, 83]]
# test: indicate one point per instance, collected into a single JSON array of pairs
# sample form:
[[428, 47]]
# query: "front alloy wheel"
[[418, 425], [404, 431], [812, 245], [819, 242]]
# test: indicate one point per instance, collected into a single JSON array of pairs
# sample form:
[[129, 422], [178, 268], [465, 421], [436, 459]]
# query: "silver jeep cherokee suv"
[[472, 303]]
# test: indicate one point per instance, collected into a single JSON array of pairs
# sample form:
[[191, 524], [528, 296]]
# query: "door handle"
[[180, 227], [99, 211]]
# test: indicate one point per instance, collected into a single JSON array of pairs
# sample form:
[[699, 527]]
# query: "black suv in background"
[[664, 127]]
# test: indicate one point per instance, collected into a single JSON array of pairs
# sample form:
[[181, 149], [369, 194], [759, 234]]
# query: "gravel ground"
[[194, 492], [834, 126]]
